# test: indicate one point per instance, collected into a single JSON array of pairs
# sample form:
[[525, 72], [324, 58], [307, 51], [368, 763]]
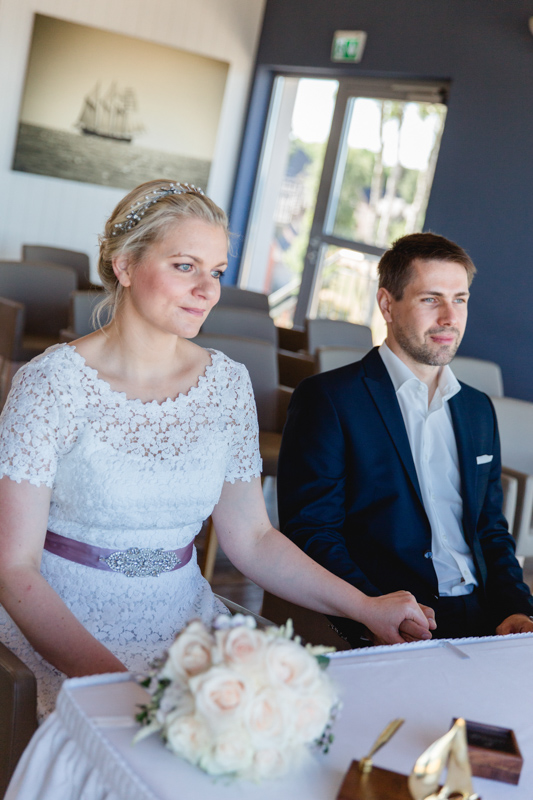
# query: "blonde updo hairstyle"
[[155, 220]]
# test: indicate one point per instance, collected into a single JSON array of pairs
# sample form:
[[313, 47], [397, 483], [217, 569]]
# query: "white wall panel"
[[38, 209]]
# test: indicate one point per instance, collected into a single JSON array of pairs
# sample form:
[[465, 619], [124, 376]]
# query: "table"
[[84, 750]]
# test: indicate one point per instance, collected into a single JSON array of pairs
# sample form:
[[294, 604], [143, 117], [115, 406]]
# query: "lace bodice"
[[124, 473]]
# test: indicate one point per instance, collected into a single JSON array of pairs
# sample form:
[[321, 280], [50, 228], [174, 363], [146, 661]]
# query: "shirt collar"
[[400, 373]]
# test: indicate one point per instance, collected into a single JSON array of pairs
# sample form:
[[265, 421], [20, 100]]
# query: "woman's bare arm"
[[275, 563], [39, 612]]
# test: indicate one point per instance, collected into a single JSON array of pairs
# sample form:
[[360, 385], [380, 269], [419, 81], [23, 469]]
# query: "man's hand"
[[516, 623], [412, 632]]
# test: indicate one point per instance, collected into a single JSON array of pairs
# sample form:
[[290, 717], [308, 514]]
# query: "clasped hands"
[[397, 617]]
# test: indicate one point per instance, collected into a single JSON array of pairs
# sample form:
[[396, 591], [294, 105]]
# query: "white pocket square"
[[484, 459]]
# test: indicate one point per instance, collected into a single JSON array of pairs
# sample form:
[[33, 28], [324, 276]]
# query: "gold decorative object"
[[365, 765], [450, 749]]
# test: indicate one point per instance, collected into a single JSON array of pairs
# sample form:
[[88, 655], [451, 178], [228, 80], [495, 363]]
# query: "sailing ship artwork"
[[110, 115], [103, 108], [103, 145]]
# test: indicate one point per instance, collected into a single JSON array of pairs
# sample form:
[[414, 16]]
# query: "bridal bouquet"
[[240, 701]]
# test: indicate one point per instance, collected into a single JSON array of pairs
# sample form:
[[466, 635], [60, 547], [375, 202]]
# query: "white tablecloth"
[[84, 751]]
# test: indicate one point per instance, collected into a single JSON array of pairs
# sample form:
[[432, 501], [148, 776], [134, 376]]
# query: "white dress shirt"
[[434, 449]]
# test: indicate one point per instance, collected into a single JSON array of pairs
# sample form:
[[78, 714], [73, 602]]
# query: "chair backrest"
[[243, 322], [522, 528], [243, 298], [44, 290], [510, 497], [515, 421], [483, 375], [82, 305], [260, 358], [333, 357], [11, 328], [336, 333], [66, 258]]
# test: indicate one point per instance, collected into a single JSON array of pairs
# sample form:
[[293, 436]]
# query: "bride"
[[129, 438]]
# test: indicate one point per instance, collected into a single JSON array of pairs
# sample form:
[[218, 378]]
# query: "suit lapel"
[[467, 462], [382, 391]]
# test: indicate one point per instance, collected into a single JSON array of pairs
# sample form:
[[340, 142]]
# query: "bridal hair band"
[[139, 209]]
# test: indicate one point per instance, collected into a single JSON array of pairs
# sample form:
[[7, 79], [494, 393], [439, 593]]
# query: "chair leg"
[[210, 553]]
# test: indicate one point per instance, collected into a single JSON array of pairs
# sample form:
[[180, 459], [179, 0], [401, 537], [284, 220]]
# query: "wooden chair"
[[483, 375], [44, 290], [336, 333], [294, 367], [510, 498], [66, 258], [243, 298], [293, 340], [11, 356], [334, 357], [272, 400], [82, 305], [515, 423], [18, 718], [241, 322]]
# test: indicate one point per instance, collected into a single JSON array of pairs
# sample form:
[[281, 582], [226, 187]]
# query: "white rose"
[[266, 717], [242, 646], [221, 695], [190, 653], [272, 762], [187, 737], [310, 715], [232, 752], [289, 664]]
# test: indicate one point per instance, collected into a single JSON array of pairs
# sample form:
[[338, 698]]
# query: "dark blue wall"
[[483, 189]]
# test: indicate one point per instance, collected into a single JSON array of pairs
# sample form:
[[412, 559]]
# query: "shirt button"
[[428, 554]]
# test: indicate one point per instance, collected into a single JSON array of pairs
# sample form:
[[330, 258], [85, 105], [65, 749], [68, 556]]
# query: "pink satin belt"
[[135, 562]]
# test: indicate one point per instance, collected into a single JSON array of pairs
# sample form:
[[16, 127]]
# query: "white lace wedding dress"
[[124, 473]]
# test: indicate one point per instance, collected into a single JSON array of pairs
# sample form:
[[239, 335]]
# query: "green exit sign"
[[348, 46]]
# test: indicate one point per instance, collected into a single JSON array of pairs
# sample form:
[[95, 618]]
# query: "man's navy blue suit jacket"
[[349, 495]]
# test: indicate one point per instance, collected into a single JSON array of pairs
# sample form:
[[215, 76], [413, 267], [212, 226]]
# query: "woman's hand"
[[39, 612], [397, 617], [275, 563]]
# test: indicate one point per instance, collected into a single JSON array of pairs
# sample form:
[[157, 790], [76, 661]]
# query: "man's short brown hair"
[[396, 265]]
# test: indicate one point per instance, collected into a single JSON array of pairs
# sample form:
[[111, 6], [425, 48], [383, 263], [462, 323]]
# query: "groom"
[[389, 470]]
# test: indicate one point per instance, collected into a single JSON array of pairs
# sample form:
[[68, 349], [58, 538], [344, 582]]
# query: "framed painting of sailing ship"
[[103, 108]]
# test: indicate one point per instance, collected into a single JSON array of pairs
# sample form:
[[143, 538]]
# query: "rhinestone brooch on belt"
[[142, 562]]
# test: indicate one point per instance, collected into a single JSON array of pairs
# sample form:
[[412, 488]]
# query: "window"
[[346, 168]]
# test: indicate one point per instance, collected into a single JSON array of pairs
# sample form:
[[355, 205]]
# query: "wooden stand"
[[379, 784]]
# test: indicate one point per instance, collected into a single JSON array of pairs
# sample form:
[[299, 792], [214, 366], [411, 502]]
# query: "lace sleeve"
[[30, 430], [244, 460]]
